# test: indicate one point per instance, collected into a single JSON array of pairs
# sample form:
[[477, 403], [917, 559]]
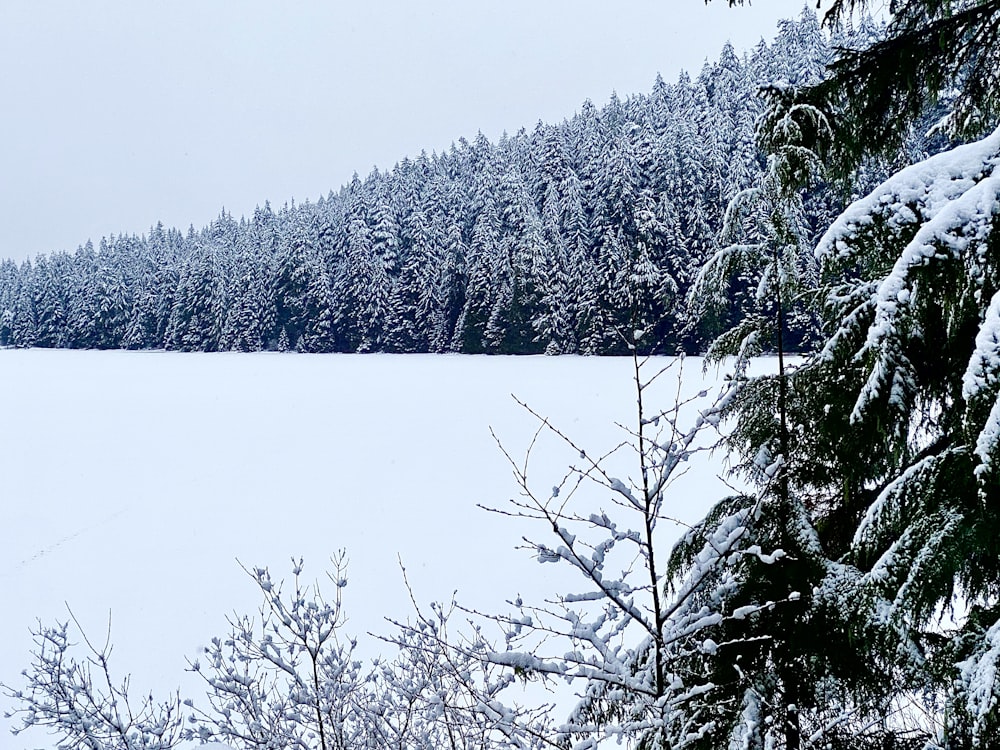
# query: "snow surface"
[[134, 481]]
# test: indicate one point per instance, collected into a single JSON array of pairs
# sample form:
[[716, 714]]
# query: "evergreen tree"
[[49, 302], [510, 328], [487, 276], [911, 353], [198, 311], [887, 433], [910, 274], [23, 326], [555, 321], [250, 318], [8, 288], [294, 269]]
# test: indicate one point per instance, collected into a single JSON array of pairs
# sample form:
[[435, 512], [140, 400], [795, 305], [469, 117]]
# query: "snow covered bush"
[[444, 689], [289, 680], [82, 702], [292, 680]]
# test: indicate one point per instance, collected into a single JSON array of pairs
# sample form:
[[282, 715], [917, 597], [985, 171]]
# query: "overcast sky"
[[117, 114]]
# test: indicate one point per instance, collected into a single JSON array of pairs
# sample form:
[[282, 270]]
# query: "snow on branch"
[[941, 209], [984, 366], [981, 384], [978, 681], [889, 509], [81, 701], [950, 223], [927, 187]]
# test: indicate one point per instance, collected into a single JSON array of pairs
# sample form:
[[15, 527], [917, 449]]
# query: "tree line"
[[555, 240]]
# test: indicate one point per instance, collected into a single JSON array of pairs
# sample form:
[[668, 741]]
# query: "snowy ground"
[[133, 482]]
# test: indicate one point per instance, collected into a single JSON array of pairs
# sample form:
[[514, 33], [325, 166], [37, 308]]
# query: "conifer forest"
[[831, 200], [549, 241]]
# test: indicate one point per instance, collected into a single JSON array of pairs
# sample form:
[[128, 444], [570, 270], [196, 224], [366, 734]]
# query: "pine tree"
[[49, 302], [249, 325], [198, 310], [556, 322], [290, 287], [523, 252], [767, 672], [8, 286], [23, 325], [894, 417], [487, 275]]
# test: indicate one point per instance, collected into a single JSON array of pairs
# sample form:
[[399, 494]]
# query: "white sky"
[[115, 114]]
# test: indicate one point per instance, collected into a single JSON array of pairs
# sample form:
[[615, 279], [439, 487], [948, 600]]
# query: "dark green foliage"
[[888, 430], [934, 52]]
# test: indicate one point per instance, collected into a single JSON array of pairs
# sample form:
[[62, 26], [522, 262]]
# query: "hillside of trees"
[[554, 240]]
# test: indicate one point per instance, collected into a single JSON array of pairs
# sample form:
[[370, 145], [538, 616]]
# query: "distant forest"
[[557, 240]]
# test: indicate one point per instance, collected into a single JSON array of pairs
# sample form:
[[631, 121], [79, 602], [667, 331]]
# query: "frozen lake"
[[134, 481]]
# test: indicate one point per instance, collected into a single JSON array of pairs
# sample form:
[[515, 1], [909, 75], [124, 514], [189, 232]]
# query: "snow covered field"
[[133, 482]]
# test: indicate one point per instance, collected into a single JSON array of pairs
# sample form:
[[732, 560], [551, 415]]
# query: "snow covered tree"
[[912, 357], [894, 415], [84, 704], [288, 680], [555, 322], [765, 246], [198, 310], [50, 301], [22, 323], [250, 317], [488, 277]]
